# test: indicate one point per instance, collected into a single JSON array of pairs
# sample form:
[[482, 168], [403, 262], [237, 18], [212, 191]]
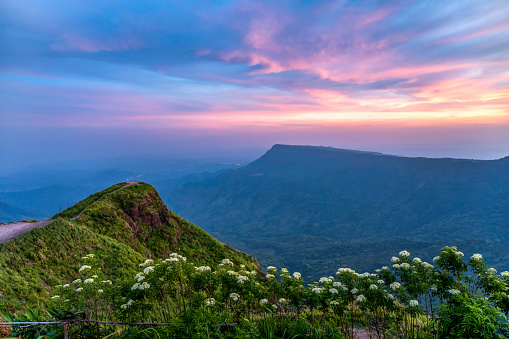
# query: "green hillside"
[[308, 208], [121, 225]]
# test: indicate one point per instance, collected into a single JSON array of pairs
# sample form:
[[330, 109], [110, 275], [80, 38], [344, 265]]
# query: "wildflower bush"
[[451, 298]]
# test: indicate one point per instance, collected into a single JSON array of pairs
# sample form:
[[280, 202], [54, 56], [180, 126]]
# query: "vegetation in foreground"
[[409, 299], [121, 225]]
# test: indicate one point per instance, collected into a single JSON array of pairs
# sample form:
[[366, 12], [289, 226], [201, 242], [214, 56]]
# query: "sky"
[[85, 79]]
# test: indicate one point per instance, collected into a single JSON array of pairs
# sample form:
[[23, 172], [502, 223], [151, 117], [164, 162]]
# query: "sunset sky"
[[99, 78]]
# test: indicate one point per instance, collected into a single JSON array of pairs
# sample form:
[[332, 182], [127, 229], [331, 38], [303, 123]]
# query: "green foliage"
[[122, 226], [74, 210], [411, 299], [471, 316]]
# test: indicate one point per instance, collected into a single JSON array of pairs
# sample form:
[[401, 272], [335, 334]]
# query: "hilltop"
[[122, 225], [310, 208]]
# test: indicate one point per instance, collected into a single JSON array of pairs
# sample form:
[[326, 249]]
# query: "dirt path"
[[15, 229]]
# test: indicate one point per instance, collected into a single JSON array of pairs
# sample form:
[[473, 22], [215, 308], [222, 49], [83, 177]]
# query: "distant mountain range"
[[39, 192], [314, 209]]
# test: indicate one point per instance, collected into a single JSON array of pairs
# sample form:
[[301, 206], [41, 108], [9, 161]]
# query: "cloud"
[[252, 63]]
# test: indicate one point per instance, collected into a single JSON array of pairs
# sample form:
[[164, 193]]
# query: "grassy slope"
[[122, 228]]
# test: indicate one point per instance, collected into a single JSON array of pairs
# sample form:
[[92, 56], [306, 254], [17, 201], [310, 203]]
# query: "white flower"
[[144, 286], [390, 296], [172, 259], [210, 302], [263, 301], [203, 268], [140, 278], [395, 285], [234, 296], [271, 268], [413, 303], [149, 269], [270, 276], [476, 256], [55, 297], [427, 265], [458, 253], [226, 262], [135, 286], [126, 305], [405, 265], [492, 271], [241, 279], [435, 259], [317, 290], [385, 268], [324, 280], [417, 260], [282, 301], [361, 298], [364, 275], [354, 291], [79, 289], [394, 259], [454, 291], [146, 262], [333, 303], [232, 273], [396, 266], [433, 287], [91, 255], [373, 287], [95, 276], [404, 254], [66, 285], [174, 255], [84, 267], [296, 275], [100, 291], [107, 282], [76, 281], [333, 291], [337, 284], [344, 288], [345, 270], [381, 282], [505, 274], [88, 281]]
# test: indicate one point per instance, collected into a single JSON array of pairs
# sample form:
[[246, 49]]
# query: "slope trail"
[[15, 229]]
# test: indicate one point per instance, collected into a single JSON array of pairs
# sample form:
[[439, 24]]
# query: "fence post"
[[66, 333]]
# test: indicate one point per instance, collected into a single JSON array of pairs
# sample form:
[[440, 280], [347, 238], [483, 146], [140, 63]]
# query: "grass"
[[121, 227], [77, 208]]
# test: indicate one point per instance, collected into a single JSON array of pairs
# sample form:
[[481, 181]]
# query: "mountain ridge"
[[324, 196]]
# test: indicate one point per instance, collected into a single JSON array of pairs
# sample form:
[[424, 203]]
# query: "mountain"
[[122, 225], [40, 191], [314, 209]]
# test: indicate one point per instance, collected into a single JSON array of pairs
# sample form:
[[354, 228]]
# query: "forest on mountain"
[[310, 208]]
